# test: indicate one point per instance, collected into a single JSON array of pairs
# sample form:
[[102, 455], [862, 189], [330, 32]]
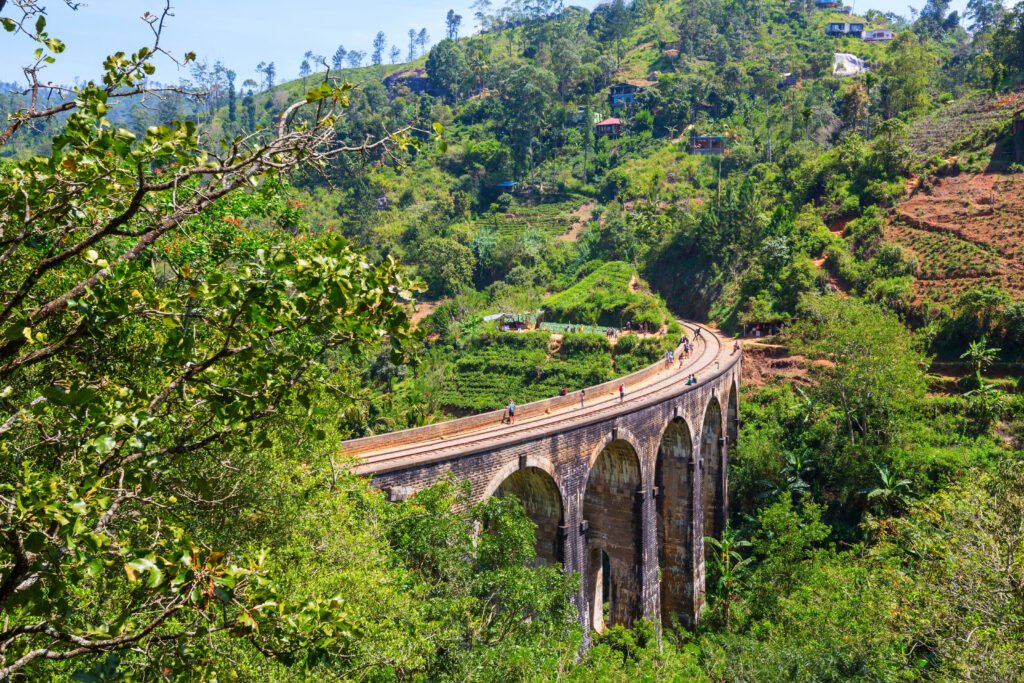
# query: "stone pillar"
[[697, 495], [650, 588], [575, 553]]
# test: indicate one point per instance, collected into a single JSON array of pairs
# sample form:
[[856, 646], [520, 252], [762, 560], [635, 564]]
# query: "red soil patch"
[[965, 230]]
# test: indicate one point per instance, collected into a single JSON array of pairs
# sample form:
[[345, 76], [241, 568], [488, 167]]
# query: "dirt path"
[[581, 218]]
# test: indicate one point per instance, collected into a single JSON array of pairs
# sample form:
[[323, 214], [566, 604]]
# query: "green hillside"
[[199, 308]]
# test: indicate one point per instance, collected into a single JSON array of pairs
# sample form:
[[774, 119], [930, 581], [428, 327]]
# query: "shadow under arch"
[[673, 477], [611, 509], [540, 497], [713, 470]]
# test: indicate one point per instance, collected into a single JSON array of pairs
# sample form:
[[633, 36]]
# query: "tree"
[[153, 362], [422, 38], [452, 22], [855, 106], [304, 70], [355, 58], [875, 370], [728, 567], [446, 67], [396, 54], [339, 57], [448, 265], [904, 76], [619, 24], [379, 43], [269, 71], [482, 14], [412, 45], [232, 97], [985, 15], [892, 495]]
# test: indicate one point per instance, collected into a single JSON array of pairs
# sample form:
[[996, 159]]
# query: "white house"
[[877, 35]]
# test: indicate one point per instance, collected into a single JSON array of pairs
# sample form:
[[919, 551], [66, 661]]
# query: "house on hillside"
[[854, 29], [706, 144], [828, 4], [624, 94], [609, 127], [877, 35], [788, 80]]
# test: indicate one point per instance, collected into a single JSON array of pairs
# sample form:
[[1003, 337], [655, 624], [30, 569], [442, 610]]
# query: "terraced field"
[[967, 230], [553, 218], [948, 127]]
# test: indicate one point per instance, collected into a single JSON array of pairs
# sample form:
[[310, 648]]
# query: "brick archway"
[[712, 462], [674, 478], [612, 513], [540, 497], [732, 417]]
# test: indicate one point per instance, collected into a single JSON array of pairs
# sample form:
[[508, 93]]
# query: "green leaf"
[[9, 25]]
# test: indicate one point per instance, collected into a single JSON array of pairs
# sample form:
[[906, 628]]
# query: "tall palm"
[[728, 566]]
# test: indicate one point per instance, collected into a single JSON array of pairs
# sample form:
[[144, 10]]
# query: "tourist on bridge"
[[564, 391], [511, 412], [622, 393], [735, 347], [583, 397], [668, 359]]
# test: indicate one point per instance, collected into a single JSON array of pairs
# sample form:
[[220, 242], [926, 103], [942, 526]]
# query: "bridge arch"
[[534, 482], [612, 514], [732, 415], [712, 459], [674, 479]]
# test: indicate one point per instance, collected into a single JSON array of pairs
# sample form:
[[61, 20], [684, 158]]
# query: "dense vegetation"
[[189, 331]]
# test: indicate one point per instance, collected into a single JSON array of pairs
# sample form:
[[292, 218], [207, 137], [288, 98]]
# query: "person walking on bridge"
[[583, 397], [511, 412], [622, 393]]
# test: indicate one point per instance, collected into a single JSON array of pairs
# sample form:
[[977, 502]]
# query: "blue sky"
[[264, 30]]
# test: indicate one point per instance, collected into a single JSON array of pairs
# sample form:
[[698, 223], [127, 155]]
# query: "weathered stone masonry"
[[625, 501]]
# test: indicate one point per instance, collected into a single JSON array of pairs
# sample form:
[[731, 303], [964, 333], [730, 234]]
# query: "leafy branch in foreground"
[[135, 376]]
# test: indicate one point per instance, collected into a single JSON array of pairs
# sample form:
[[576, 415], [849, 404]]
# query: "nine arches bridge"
[[622, 492]]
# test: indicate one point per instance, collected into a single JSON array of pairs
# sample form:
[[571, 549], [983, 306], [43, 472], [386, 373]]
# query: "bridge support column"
[[650, 585], [697, 558], [575, 549]]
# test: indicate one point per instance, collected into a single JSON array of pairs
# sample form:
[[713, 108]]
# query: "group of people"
[[670, 358]]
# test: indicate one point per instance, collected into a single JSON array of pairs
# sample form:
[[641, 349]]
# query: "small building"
[[854, 29], [508, 185], [706, 144], [788, 80], [828, 4], [877, 35], [609, 127], [624, 94], [514, 322]]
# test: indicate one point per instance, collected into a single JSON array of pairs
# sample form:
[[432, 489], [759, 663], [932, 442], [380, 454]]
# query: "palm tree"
[[798, 465], [728, 566], [980, 356], [892, 494]]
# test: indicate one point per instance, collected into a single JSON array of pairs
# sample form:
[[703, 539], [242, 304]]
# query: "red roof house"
[[609, 127]]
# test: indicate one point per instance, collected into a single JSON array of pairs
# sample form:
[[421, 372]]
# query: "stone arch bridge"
[[622, 491]]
